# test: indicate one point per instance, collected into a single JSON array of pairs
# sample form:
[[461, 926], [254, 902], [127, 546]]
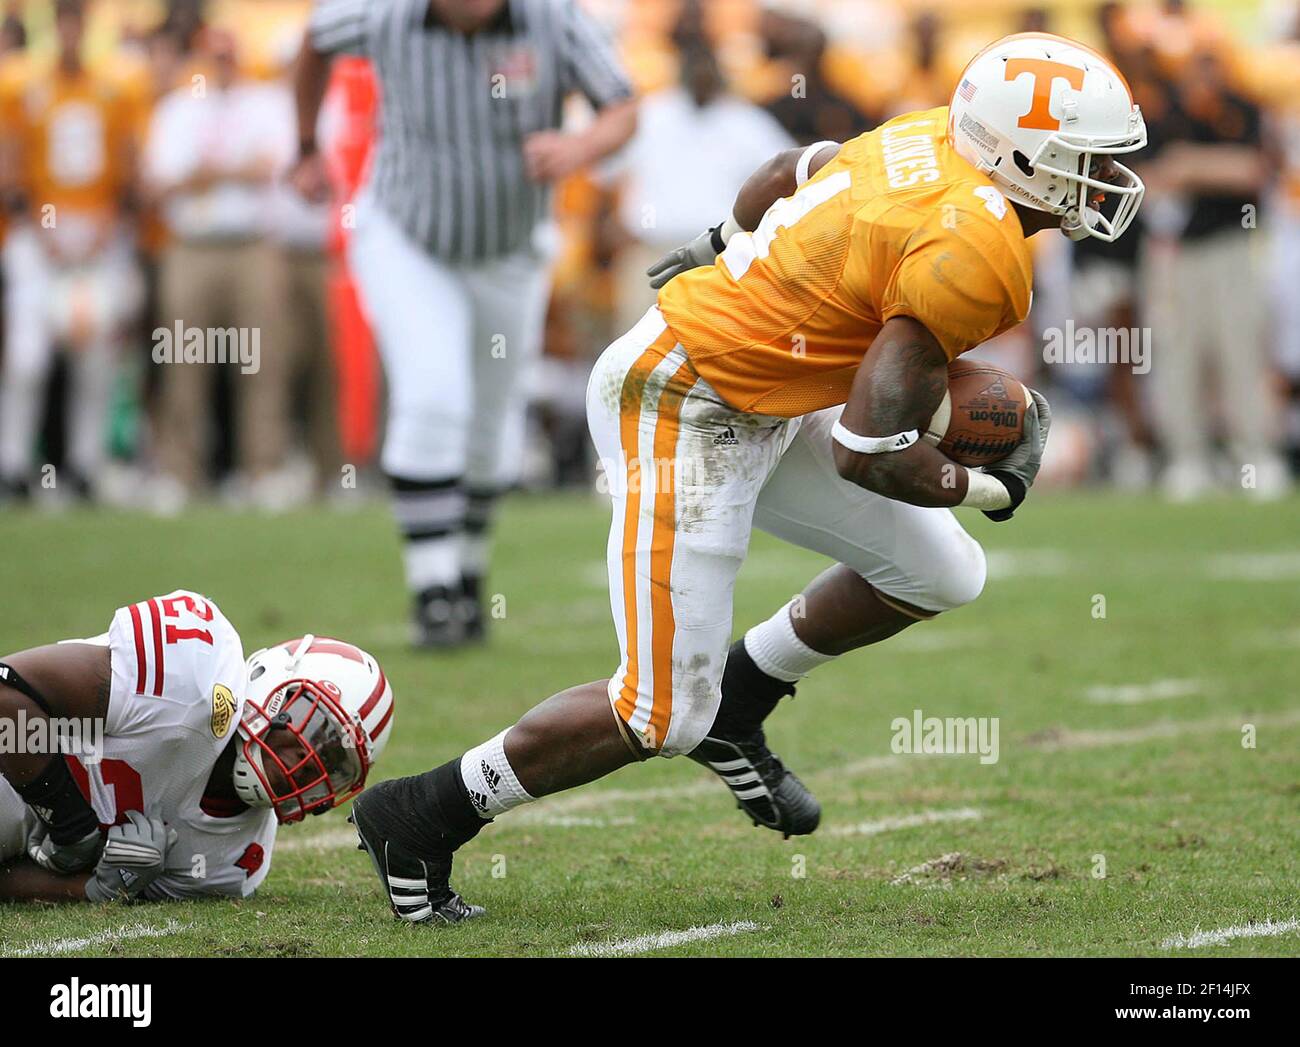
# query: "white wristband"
[[874, 444], [729, 229], [805, 160], [985, 492]]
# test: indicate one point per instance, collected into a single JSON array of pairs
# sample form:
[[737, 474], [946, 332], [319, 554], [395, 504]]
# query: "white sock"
[[779, 652], [493, 787], [432, 561]]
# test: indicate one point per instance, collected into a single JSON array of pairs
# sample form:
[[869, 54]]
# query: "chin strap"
[[1073, 225]]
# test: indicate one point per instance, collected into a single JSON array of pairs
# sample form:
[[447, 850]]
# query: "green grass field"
[[1121, 742]]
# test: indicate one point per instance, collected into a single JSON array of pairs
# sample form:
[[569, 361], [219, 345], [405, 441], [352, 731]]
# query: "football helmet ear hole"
[[1022, 162]]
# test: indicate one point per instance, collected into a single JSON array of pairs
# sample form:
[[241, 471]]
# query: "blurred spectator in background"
[[694, 147], [212, 152], [1286, 228], [1103, 288], [1034, 20], [811, 110], [67, 168], [1202, 289], [13, 34], [927, 78], [299, 328]]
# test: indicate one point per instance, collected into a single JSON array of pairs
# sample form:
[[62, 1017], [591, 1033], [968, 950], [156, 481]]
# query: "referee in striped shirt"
[[449, 248]]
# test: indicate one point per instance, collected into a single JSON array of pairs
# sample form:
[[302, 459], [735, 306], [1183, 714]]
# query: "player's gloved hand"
[[1019, 469], [134, 856], [700, 251], [59, 858]]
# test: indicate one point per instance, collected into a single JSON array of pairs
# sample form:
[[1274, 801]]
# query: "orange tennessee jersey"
[[73, 134], [896, 225]]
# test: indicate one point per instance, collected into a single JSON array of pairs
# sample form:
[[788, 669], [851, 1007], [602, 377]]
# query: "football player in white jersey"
[[189, 756]]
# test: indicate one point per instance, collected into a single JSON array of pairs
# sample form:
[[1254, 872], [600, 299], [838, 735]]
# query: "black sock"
[[748, 694], [428, 813]]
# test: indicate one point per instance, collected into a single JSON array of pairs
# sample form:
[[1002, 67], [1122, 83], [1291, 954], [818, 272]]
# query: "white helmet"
[[1038, 114], [334, 699]]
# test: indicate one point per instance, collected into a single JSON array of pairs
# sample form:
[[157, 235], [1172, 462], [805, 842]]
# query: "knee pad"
[[957, 576]]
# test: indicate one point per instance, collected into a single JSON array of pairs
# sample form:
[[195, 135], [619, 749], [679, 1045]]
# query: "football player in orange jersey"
[[784, 385], [68, 139]]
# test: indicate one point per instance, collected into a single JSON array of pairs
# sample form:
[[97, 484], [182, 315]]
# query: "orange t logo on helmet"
[[1044, 72]]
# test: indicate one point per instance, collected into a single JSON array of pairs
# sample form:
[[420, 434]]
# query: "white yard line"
[[906, 821], [1136, 693], [126, 933], [582, 808], [1280, 566], [927, 641], [1071, 740], [290, 842], [1027, 563], [663, 940], [1199, 939]]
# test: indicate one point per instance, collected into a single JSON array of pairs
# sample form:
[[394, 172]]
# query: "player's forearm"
[[25, 881], [921, 475], [311, 77], [900, 383]]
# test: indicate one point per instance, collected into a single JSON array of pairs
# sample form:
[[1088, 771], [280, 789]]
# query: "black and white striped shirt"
[[455, 110]]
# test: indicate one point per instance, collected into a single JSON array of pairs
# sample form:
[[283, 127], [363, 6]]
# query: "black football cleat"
[[471, 608], [418, 889], [445, 618], [771, 795]]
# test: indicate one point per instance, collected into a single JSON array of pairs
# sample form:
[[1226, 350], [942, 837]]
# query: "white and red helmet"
[[335, 701], [1043, 117]]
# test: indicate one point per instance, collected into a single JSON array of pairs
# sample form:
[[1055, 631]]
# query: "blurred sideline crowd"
[[144, 144]]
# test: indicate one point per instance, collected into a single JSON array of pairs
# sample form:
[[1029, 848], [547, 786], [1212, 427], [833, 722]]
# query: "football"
[[982, 415]]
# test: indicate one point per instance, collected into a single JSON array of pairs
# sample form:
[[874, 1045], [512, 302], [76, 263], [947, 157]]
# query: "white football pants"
[[457, 343], [689, 478]]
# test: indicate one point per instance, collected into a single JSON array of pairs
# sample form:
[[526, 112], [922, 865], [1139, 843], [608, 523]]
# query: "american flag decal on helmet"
[[966, 90]]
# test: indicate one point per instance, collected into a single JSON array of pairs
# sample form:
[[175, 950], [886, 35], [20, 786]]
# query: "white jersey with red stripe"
[[177, 692]]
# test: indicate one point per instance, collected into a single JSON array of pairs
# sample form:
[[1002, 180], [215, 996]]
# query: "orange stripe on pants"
[[633, 399], [662, 540]]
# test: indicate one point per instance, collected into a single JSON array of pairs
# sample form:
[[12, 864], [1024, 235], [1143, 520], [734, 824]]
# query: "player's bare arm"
[[777, 178], [896, 391], [69, 681]]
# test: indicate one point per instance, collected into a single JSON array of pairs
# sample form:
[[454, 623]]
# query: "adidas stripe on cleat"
[[772, 796], [418, 889]]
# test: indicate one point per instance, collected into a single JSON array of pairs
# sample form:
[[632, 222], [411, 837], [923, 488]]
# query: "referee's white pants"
[[690, 477], [457, 343]]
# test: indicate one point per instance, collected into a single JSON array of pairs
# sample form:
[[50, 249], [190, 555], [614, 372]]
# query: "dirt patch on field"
[[947, 868]]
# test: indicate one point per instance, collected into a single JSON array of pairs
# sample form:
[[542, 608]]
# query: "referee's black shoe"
[[447, 617], [418, 887], [736, 751]]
